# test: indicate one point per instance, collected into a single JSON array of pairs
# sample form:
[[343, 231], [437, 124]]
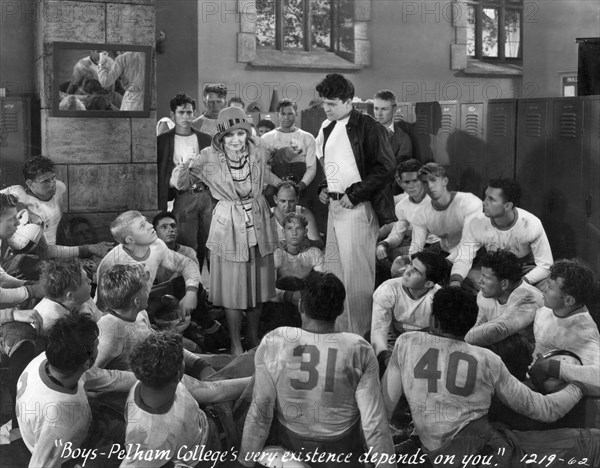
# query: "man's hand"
[[301, 187], [35, 290], [188, 304], [100, 249], [381, 252], [29, 316], [346, 203], [539, 371], [455, 283], [324, 195]]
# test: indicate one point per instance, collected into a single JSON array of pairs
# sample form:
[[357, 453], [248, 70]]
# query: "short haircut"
[[120, 227], [515, 354], [93, 86], [71, 341], [410, 165], [162, 215], [98, 102], [287, 103], [7, 202], [289, 185], [118, 285], [156, 360], [323, 296], [432, 169], [60, 276], [578, 280], [455, 309], [218, 88], [386, 95], [335, 86], [37, 166], [436, 267], [511, 190], [504, 264], [72, 224], [181, 99], [237, 99], [293, 216], [266, 123]]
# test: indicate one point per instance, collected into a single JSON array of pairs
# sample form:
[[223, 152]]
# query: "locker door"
[[591, 248], [500, 154], [564, 211], [403, 112], [422, 130], [470, 149], [533, 121], [311, 120], [14, 139], [442, 153]]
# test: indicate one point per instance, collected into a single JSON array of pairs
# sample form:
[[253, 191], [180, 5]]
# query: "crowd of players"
[[431, 308]]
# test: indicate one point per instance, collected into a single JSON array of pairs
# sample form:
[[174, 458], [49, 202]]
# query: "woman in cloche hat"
[[241, 240]]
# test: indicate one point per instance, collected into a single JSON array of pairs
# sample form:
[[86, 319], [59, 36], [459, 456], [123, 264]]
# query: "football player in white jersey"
[[449, 385], [319, 388]]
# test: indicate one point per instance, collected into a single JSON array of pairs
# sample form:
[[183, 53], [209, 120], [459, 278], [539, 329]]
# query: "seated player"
[[507, 304], [67, 290], [565, 323], [300, 372], [52, 404], [390, 247], [264, 126], [161, 413], [449, 385], [286, 201], [504, 226], [404, 304], [447, 213], [138, 244]]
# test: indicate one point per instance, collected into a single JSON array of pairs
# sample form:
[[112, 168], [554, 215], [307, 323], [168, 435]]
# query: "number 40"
[[427, 368]]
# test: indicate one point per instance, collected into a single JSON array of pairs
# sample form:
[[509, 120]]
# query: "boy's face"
[[294, 233], [8, 223], [82, 234], [336, 109], [142, 297], [166, 230], [214, 104], [43, 186], [183, 117], [411, 184], [489, 282], [141, 232], [84, 292], [415, 275], [554, 296], [262, 130], [434, 185], [493, 203]]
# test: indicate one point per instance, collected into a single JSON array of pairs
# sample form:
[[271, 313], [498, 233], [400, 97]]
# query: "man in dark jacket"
[[174, 149], [359, 166]]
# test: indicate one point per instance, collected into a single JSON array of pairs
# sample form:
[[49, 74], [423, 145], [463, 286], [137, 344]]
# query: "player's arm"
[[217, 391], [311, 160], [419, 238], [109, 347], [519, 397], [99, 380], [391, 384], [464, 254], [190, 271], [47, 449], [196, 366], [542, 255], [383, 304], [261, 412], [109, 71], [313, 232], [370, 405], [396, 235]]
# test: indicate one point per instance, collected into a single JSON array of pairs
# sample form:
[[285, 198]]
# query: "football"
[[26, 238], [552, 385], [273, 457]]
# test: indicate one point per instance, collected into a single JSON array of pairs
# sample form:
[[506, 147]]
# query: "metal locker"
[[500, 129], [591, 246], [404, 112], [534, 118], [311, 120], [442, 153], [469, 147], [15, 138], [423, 128]]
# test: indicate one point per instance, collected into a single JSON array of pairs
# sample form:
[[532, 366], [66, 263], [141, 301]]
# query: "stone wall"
[[108, 164]]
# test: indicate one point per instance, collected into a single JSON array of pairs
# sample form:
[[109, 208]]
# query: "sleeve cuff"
[[84, 251], [554, 369], [191, 289], [457, 278]]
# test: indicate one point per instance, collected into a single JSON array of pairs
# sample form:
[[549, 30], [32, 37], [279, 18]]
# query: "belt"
[[336, 195]]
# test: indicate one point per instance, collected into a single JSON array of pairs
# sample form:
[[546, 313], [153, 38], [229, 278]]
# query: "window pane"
[[321, 23], [471, 31], [293, 30], [346, 27], [489, 26], [265, 23], [512, 28]]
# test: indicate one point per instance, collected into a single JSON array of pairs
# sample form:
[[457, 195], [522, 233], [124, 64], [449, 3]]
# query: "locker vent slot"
[[472, 124], [533, 125], [422, 124], [499, 125], [568, 125], [447, 125]]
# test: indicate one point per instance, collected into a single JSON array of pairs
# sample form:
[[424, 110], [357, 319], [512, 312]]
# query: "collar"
[[390, 127]]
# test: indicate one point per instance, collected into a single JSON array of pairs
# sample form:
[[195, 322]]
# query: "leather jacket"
[[376, 164]]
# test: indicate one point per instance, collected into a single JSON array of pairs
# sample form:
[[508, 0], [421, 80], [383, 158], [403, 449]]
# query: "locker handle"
[[588, 206]]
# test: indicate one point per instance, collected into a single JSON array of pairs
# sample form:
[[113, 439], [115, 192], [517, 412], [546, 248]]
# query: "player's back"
[[316, 376]]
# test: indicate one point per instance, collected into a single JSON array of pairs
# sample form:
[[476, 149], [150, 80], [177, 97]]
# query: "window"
[[306, 25], [494, 30]]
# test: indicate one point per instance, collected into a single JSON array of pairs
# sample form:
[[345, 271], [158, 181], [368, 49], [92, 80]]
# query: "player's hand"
[[301, 187], [100, 249], [188, 304], [381, 252], [35, 290], [102, 57], [346, 203], [324, 195], [539, 371], [29, 316], [454, 283]]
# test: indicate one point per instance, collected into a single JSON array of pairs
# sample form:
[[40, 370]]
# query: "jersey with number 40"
[[449, 383]]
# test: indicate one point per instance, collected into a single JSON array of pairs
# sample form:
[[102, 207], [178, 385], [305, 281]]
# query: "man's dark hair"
[[287, 103], [37, 166], [7, 202], [181, 99], [436, 267], [59, 276], [156, 361], [71, 341], [98, 102], [266, 123], [218, 88], [323, 296], [455, 310], [335, 86], [515, 354], [504, 264], [386, 95], [577, 278], [288, 184], [511, 190], [237, 99], [93, 86], [162, 215], [410, 165]]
